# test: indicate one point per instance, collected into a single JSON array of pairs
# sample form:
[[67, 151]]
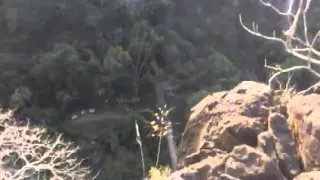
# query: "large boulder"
[[251, 133], [226, 119]]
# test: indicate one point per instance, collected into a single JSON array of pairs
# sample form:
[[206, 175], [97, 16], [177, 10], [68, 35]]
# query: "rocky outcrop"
[[251, 133]]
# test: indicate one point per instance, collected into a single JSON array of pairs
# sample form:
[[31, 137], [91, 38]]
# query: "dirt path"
[[91, 125], [106, 116]]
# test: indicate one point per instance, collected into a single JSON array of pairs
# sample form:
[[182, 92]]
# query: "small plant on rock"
[[160, 128]]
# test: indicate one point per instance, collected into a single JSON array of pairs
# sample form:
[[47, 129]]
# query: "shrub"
[[29, 152]]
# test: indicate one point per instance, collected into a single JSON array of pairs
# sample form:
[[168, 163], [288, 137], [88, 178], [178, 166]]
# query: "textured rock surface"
[[226, 119], [304, 116], [199, 120], [284, 145], [245, 134], [245, 162]]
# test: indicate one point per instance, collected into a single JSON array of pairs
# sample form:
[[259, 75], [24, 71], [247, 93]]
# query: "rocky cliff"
[[252, 133]]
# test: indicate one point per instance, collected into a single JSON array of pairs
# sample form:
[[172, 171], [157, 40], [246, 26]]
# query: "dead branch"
[[27, 151], [302, 49]]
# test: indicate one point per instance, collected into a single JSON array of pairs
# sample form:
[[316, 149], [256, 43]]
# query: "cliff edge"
[[252, 133]]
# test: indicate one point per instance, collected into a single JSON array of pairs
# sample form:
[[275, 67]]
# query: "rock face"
[[304, 116], [247, 134]]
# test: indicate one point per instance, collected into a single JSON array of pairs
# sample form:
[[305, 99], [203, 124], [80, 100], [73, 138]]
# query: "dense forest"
[[126, 58]]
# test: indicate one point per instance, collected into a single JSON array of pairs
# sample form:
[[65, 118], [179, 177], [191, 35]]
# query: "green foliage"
[[289, 61], [61, 76], [115, 59], [43, 115], [69, 73], [227, 72], [223, 76], [13, 73], [20, 96], [121, 164], [196, 97], [125, 155]]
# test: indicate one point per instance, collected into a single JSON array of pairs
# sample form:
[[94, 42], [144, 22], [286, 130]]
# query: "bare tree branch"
[[27, 152], [292, 43]]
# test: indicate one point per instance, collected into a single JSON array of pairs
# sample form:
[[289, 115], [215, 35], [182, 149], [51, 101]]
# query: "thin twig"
[[305, 52], [138, 139]]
